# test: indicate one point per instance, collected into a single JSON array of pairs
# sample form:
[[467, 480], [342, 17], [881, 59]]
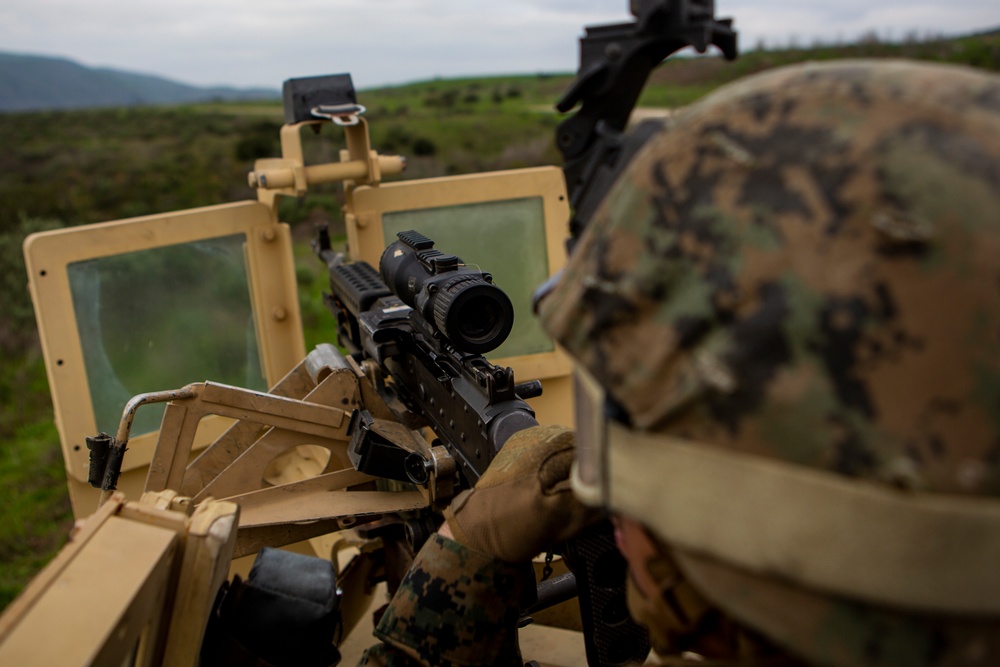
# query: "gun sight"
[[461, 303]]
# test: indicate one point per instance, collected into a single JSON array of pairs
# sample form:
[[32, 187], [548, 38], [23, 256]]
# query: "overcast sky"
[[263, 42]]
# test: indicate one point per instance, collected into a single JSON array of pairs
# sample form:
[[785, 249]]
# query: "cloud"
[[780, 21], [253, 42]]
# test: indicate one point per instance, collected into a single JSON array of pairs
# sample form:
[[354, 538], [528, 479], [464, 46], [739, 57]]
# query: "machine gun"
[[427, 332], [422, 322]]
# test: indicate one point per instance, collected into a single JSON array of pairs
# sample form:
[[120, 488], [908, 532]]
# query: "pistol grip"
[[612, 638]]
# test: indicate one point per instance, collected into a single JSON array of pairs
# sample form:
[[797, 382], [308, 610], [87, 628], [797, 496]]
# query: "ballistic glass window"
[[162, 318], [505, 238]]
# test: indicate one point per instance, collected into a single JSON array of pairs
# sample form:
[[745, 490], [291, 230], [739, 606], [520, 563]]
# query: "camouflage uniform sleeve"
[[456, 607]]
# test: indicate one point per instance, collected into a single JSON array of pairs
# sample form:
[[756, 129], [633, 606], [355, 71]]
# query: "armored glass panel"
[[162, 318], [505, 238]]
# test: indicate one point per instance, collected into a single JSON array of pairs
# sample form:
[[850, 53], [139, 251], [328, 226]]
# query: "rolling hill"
[[30, 82]]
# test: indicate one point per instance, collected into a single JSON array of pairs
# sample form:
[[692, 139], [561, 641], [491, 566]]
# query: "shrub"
[[423, 147]]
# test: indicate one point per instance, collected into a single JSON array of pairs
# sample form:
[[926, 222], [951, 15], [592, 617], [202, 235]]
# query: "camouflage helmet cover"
[[806, 267]]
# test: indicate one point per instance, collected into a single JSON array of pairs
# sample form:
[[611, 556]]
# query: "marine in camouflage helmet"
[[793, 297]]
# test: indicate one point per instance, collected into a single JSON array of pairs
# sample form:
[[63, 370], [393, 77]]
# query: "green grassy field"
[[70, 168]]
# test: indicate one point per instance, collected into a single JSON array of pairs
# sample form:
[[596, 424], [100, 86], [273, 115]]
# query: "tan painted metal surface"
[[48, 256], [135, 583]]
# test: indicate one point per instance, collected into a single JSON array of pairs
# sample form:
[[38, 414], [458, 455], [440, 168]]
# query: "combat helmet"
[[786, 322]]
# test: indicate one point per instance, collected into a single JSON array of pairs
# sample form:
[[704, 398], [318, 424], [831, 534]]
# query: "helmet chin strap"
[[735, 507], [678, 618]]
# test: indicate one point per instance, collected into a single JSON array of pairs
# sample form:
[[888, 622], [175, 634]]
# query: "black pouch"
[[284, 614]]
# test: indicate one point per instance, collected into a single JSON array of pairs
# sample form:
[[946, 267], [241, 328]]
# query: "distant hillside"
[[679, 81], [40, 82]]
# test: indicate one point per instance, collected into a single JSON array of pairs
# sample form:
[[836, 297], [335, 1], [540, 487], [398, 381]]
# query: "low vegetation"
[[70, 168]]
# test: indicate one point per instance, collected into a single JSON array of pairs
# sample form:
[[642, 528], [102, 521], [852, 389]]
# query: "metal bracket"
[[344, 115]]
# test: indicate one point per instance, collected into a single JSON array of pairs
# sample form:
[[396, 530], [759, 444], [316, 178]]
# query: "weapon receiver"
[[424, 323]]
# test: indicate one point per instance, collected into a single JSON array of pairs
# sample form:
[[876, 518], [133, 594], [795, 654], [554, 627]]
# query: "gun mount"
[[615, 63]]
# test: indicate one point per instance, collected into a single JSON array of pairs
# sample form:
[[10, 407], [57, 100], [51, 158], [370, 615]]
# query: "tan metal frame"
[[286, 513], [134, 587], [273, 295], [289, 175]]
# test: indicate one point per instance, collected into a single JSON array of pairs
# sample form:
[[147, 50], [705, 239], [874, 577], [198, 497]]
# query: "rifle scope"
[[463, 304]]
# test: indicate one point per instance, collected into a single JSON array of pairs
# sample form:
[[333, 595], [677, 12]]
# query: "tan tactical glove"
[[523, 505]]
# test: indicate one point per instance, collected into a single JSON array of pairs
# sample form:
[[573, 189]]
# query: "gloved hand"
[[523, 505]]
